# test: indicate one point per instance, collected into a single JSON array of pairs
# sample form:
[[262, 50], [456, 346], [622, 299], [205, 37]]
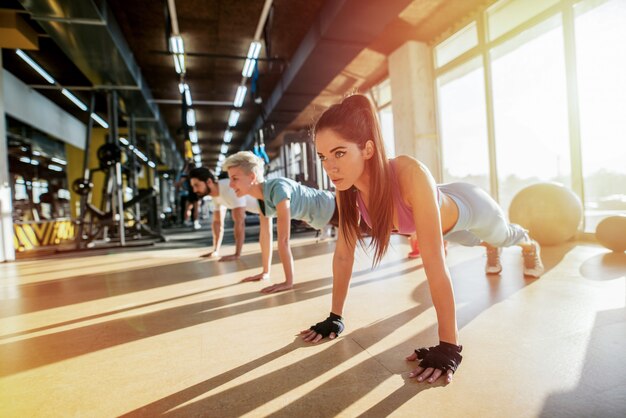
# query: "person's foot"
[[188, 223], [533, 266], [493, 265], [415, 253], [196, 225]]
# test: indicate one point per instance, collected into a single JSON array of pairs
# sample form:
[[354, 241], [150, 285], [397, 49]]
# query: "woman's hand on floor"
[[212, 254], [230, 257], [256, 277], [275, 288], [437, 361], [311, 336], [330, 327]]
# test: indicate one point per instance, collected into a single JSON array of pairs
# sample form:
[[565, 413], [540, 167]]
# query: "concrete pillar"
[[7, 249], [413, 99]]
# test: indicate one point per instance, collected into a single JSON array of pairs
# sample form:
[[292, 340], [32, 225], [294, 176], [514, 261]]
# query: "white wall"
[[7, 251], [25, 104]]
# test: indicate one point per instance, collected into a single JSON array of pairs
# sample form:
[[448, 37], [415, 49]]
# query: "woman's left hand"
[[435, 362], [280, 287], [230, 257]]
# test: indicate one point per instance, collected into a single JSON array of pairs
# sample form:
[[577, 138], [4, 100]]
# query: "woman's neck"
[[257, 191]]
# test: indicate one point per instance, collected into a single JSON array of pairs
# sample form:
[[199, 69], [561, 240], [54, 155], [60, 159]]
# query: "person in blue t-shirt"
[[283, 198]]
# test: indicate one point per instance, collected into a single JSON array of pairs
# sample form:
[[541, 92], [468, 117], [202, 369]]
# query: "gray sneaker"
[[533, 266], [493, 265]]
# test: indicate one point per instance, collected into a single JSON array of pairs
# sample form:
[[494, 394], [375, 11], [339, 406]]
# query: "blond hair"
[[247, 161]]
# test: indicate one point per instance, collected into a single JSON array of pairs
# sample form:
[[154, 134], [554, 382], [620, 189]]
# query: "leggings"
[[480, 218]]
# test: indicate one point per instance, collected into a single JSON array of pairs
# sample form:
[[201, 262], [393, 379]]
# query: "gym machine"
[[108, 225]]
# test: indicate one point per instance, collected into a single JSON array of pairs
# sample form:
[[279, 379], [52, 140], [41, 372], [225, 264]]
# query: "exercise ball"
[[611, 232], [550, 212]]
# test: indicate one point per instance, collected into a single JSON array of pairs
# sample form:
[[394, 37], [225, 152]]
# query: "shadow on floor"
[[41, 350], [605, 266], [360, 379], [125, 278], [601, 390], [250, 395]]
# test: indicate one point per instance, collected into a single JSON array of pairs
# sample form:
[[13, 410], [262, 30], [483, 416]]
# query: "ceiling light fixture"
[[188, 96], [193, 136], [221, 157], [35, 66], [240, 96], [233, 118], [191, 117], [253, 54], [228, 136], [177, 45], [54, 167], [100, 121], [82, 106], [179, 63], [140, 155], [224, 149], [195, 149]]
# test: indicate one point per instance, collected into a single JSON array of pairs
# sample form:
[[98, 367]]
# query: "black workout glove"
[[444, 357], [334, 323]]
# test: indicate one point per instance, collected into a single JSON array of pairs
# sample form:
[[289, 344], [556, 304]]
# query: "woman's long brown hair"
[[355, 120]]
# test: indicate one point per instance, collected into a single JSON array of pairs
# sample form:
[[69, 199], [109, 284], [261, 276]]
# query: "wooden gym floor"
[[160, 331]]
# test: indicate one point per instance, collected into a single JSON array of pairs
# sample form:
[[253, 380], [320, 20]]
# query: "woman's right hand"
[[437, 361], [212, 254]]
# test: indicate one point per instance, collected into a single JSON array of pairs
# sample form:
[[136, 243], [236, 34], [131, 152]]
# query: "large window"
[[601, 56], [530, 110], [463, 125], [381, 96], [503, 100]]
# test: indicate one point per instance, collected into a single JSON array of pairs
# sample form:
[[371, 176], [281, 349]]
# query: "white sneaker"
[[533, 266], [493, 265], [196, 225]]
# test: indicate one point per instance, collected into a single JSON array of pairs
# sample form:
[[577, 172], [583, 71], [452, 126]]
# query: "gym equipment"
[[143, 195], [109, 154], [82, 187], [116, 222], [611, 233], [549, 211]]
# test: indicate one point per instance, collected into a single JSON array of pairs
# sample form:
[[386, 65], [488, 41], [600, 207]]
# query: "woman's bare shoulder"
[[407, 167]]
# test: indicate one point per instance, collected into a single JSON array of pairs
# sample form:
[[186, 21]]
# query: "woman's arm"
[[420, 192], [283, 231], [343, 261], [239, 219]]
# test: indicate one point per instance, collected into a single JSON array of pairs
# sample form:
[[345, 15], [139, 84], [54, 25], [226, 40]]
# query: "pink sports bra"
[[406, 224]]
